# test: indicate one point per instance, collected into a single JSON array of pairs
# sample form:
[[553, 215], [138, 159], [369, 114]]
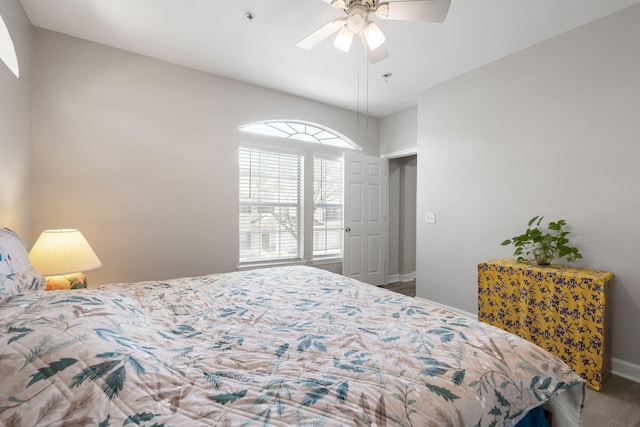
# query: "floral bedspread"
[[274, 347]]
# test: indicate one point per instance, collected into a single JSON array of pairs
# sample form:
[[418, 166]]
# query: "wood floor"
[[616, 405], [404, 288]]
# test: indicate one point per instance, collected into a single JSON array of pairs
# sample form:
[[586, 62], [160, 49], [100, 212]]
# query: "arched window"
[[301, 131], [7, 50], [272, 191]]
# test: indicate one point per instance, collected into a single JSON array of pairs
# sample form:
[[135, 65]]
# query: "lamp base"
[[66, 281]]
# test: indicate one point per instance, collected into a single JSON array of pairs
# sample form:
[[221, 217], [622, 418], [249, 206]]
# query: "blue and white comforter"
[[275, 347]]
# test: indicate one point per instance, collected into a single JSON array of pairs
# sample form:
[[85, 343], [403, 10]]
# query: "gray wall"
[[15, 126], [552, 130], [398, 132], [141, 155]]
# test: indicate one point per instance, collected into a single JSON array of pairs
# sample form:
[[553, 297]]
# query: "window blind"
[[327, 207], [270, 205]]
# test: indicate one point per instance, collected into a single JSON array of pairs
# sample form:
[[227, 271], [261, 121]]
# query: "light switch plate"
[[430, 217]]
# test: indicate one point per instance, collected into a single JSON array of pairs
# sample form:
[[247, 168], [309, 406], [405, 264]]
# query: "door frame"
[[390, 156]]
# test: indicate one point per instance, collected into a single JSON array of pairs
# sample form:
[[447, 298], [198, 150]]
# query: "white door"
[[365, 228]]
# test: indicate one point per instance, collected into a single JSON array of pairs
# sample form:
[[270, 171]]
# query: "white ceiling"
[[215, 36]]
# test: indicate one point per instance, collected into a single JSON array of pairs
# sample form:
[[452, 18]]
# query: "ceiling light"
[[357, 19], [374, 36], [344, 39]]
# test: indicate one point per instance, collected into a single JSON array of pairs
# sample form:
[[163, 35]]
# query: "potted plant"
[[543, 246]]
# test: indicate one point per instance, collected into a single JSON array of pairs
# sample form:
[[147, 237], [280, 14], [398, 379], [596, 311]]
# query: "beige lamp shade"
[[61, 252]]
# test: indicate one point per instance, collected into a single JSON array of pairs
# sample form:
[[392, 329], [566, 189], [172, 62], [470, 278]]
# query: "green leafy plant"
[[543, 246]]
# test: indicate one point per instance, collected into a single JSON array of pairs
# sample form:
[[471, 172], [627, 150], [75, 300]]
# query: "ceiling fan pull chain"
[[367, 77], [358, 88]]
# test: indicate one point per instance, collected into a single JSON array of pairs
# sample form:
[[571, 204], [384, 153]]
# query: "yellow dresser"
[[561, 309]]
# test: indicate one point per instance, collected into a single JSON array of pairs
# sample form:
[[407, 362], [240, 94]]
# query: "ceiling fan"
[[357, 22]]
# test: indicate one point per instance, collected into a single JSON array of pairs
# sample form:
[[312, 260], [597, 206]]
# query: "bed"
[[272, 347]]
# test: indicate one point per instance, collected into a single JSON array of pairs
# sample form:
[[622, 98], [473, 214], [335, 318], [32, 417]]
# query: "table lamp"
[[61, 255]]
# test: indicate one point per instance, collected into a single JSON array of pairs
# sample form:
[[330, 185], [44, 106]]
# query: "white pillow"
[[16, 274], [13, 254]]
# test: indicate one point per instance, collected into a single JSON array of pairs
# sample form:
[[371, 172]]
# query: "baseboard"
[[395, 278], [625, 369], [447, 307], [408, 277]]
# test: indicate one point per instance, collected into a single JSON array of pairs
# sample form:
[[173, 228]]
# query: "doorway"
[[402, 219]]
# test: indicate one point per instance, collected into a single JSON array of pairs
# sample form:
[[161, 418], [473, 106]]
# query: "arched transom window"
[[7, 50], [301, 131]]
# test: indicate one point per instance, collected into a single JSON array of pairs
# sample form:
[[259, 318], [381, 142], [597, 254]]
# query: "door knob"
[[348, 229]]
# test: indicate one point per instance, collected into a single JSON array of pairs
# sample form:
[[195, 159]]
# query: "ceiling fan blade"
[[336, 3], [375, 55], [378, 54], [416, 10], [321, 33]]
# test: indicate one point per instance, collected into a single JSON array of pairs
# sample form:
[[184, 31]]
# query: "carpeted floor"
[[616, 405]]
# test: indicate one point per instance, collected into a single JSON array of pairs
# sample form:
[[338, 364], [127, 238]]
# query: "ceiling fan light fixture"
[[357, 22], [374, 36], [343, 39], [358, 18]]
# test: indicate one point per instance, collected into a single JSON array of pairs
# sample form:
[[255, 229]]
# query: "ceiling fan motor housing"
[[370, 4]]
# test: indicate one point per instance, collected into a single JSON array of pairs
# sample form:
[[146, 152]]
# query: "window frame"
[[242, 209], [326, 256], [309, 151]]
